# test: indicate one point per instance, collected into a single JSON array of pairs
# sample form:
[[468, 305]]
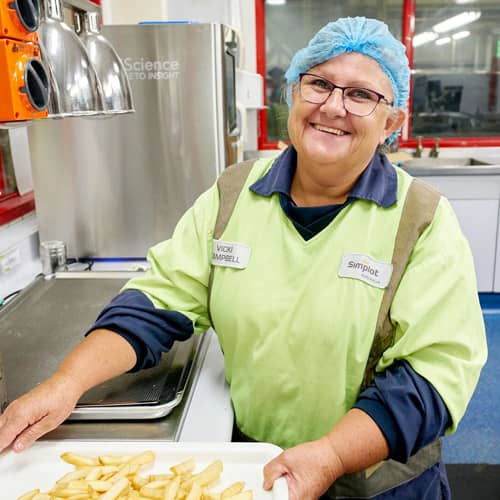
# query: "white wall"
[[19, 261], [239, 14], [132, 11]]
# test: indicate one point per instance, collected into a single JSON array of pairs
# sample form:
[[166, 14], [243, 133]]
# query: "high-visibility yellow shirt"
[[296, 328]]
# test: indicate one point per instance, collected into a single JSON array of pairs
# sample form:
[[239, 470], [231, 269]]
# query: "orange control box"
[[24, 81], [19, 20]]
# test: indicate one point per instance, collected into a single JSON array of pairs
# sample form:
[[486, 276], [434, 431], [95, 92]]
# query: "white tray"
[[40, 466]]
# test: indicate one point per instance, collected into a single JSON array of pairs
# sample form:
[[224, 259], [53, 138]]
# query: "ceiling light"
[[425, 37], [276, 2], [463, 2], [460, 34], [443, 40], [457, 21]]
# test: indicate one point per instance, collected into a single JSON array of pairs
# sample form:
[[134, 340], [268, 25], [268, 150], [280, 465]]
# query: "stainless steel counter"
[[45, 321], [442, 166], [466, 164], [454, 170], [49, 317]]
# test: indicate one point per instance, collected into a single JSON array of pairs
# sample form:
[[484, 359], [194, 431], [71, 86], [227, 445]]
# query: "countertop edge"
[[452, 170], [209, 416]]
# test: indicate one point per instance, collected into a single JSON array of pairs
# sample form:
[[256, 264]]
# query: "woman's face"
[[326, 133]]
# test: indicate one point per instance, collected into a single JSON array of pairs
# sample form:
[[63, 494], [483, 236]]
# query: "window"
[[456, 51], [288, 27], [455, 85]]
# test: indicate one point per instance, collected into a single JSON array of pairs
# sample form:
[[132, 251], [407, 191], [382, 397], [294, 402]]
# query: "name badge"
[[230, 254], [364, 268]]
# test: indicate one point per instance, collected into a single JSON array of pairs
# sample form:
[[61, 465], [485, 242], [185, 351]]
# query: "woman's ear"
[[393, 122]]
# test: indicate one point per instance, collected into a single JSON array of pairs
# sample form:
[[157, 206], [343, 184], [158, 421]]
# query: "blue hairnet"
[[356, 34]]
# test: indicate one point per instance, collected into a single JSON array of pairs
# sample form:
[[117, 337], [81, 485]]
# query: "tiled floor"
[[474, 481], [477, 439], [472, 454]]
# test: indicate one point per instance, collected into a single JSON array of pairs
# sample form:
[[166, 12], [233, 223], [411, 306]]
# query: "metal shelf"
[[85, 5]]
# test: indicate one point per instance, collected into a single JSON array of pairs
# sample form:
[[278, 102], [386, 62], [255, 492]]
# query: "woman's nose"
[[334, 105]]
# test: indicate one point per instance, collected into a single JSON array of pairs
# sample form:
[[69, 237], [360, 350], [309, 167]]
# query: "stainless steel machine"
[[110, 188], [113, 187]]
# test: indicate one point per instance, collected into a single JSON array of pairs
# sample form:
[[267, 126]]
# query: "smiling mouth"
[[328, 130]]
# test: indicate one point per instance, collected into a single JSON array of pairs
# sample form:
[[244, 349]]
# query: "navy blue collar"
[[377, 183]]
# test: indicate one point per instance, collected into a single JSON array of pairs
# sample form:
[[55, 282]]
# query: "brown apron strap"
[[230, 184], [385, 476], [418, 211]]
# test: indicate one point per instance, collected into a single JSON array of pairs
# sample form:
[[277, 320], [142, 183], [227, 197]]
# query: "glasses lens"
[[359, 101], [314, 89]]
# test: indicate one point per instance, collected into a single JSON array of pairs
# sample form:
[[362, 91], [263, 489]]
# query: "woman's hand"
[[310, 469], [50, 403], [356, 442], [38, 411]]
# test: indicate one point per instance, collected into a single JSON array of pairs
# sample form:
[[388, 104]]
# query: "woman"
[[312, 233]]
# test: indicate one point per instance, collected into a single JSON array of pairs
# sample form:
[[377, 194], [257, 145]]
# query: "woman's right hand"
[[38, 412]]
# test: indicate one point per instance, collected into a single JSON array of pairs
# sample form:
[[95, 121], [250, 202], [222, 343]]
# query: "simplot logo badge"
[[364, 268]]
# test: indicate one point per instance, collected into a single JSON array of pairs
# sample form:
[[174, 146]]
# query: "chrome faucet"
[[434, 152], [418, 152]]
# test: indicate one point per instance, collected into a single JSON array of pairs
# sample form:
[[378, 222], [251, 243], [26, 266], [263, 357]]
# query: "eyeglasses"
[[357, 100]]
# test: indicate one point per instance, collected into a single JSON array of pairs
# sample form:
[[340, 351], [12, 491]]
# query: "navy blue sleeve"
[[150, 331], [407, 408]]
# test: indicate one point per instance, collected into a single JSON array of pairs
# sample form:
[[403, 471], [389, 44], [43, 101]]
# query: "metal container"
[[117, 187], [53, 256]]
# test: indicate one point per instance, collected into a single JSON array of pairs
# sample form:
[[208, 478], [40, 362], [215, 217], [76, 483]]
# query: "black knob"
[[28, 12], [36, 84]]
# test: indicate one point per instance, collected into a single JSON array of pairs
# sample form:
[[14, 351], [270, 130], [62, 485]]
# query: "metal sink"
[[428, 162]]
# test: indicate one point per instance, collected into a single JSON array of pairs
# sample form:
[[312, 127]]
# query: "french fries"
[[116, 477]]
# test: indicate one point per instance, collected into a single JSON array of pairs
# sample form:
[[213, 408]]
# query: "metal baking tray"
[[49, 317]]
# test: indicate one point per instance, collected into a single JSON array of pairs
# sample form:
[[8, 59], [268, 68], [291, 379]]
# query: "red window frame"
[[408, 31], [13, 205]]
